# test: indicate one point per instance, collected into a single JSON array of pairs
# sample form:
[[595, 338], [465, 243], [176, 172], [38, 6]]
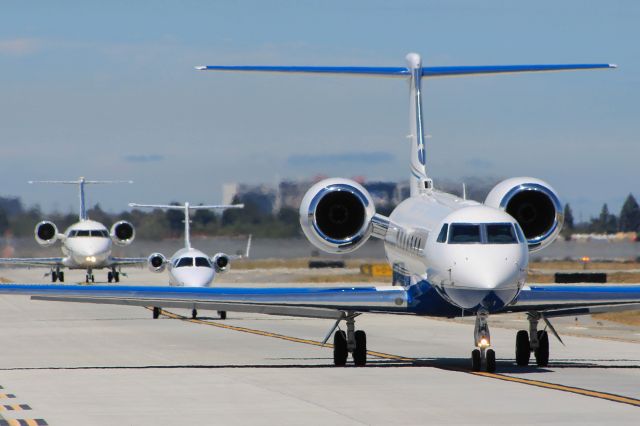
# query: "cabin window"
[[442, 237], [184, 261], [464, 234], [203, 261], [500, 233]]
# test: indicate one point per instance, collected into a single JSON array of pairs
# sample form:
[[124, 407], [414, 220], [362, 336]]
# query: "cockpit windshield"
[[463, 233], [483, 233], [501, 233], [203, 261], [99, 233], [184, 261]]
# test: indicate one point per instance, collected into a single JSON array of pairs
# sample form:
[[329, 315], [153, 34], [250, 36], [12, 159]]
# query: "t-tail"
[[414, 72], [82, 214], [186, 208]]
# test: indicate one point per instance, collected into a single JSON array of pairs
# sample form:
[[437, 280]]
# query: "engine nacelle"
[[122, 233], [336, 215], [157, 262], [221, 263], [534, 204], [46, 233]]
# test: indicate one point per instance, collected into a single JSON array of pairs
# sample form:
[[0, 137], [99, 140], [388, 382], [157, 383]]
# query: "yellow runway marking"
[[537, 383]]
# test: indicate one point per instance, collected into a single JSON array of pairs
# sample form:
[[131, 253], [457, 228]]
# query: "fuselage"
[[473, 255], [190, 267], [86, 245]]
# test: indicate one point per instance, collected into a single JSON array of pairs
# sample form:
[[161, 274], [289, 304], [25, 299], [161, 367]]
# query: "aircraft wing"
[[294, 301], [568, 300], [44, 262], [127, 261]]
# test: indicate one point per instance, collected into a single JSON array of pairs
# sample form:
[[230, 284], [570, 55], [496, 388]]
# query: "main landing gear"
[[536, 341], [57, 275], [222, 314], [483, 354], [113, 275], [352, 342]]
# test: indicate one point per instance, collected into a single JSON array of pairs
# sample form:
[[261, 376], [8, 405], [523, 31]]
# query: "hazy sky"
[[108, 90]]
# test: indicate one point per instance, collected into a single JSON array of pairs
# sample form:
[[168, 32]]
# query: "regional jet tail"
[[85, 245], [450, 256]]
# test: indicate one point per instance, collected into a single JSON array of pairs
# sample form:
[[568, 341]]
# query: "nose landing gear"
[[352, 342], [482, 354]]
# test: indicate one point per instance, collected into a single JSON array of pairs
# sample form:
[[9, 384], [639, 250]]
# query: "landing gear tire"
[[87, 278], [116, 277], [340, 352], [109, 277], [156, 312], [61, 277], [223, 315], [360, 351], [194, 313], [476, 361], [54, 276], [523, 348], [542, 352], [491, 360]]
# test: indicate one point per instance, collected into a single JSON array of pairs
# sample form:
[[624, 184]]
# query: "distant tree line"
[[606, 222], [158, 224]]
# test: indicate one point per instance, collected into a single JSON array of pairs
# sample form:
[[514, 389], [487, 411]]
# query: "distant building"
[[289, 193]]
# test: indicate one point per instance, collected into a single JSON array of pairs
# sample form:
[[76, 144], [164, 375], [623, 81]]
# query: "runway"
[[74, 364]]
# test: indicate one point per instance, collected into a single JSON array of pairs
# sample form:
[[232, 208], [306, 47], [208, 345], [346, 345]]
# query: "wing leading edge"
[[45, 262], [312, 302], [561, 300]]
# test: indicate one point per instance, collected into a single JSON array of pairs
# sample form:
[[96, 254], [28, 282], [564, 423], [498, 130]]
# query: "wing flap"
[[575, 298], [294, 311]]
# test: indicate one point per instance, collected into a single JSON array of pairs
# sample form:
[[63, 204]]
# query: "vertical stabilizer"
[[82, 213], [186, 207], [419, 180]]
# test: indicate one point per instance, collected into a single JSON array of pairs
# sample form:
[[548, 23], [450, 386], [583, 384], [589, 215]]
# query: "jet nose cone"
[[194, 276]]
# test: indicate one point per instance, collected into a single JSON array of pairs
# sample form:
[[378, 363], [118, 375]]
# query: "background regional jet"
[[451, 256], [85, 245], [189, 267]]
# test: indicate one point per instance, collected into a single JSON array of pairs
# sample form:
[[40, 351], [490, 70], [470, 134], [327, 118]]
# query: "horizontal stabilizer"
[[366, 71], [506, 69], [190, 207], [405, 72]]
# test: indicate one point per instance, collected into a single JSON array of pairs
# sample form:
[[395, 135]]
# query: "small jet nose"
[[194, 276]]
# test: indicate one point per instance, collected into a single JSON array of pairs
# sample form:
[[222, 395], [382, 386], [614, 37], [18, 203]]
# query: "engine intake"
[[534, 204], [122, 233], [46, 233], [157, 262], [336, 215], [221, 262]]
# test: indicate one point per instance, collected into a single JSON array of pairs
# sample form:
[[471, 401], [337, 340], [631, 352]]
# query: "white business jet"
[[85, 245], [189, 267], [450, 256]]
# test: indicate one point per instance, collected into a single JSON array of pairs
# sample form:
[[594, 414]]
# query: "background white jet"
[[85, 245], [190, 267]]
